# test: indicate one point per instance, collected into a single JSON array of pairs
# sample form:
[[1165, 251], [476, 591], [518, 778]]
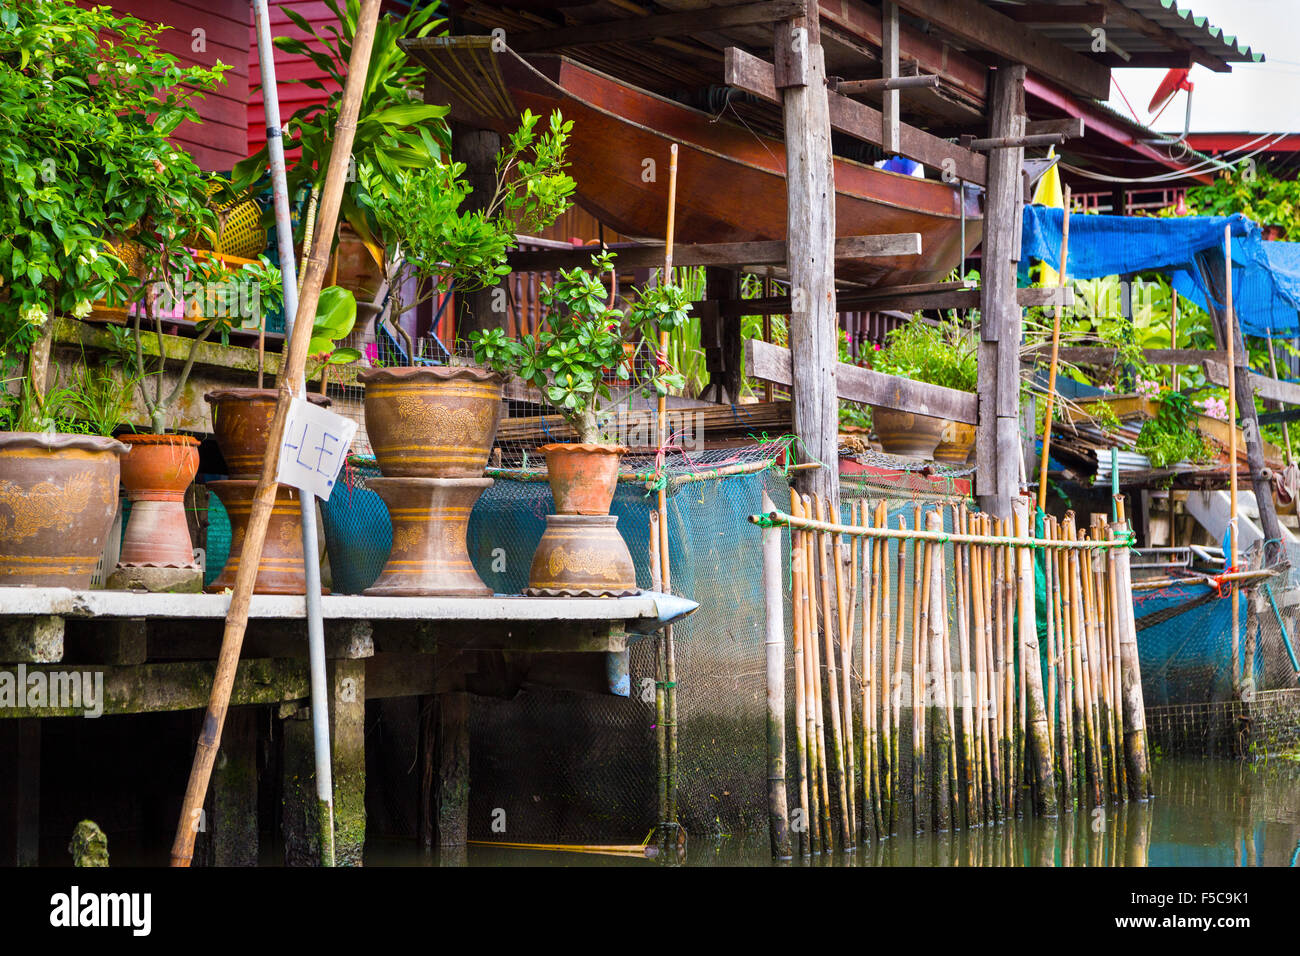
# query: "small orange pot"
[[583, 477], [156, 474]]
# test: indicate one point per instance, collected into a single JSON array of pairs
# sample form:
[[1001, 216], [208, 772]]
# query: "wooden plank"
[[1098, 355], [1090, 14], [771, 363], [899, 299], [657, 25], [1269, 389], [987, 29], [753, 75], [1072, 127], [756, 253]]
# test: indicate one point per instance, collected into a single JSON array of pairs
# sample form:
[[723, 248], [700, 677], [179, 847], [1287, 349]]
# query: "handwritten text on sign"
[[315, 445]]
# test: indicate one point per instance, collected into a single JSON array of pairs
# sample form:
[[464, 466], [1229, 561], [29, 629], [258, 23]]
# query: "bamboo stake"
[[896, 767], [819, 611], [664, 555], [992, 694], [829, 613], [845, 600], [920, 596], [1040, 735], [1049, 589], [1135, 746], [1056, 349], [1085, 689], [1121, 770], [800, 704], [886, 682], [1173, 336], [661, 676], [978, 606], [961, 572], [871, 690], [949, 689], [941, 720], [232, 641], [813, 806], [867, 687], [1230, 318], [774, 668], [1064, 653]]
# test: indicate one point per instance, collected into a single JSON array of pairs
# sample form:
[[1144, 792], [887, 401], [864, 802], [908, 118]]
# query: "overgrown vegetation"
[[1172, 436]]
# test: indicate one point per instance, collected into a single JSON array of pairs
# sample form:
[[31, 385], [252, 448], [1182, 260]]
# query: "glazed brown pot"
[[583, 477], [58, 498], [281, 569], [156, 473], [581, 556], [432, 421], [430, 518], [955, 443], [906, 434], [241, 421]]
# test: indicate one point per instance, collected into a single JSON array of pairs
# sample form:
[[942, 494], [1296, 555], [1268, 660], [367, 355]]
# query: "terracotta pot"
[[955, 443], [281, 569], [582, 556], [353, 267], [156, 474], [583, 477], [432, 421], [58, 498], [241, 421], [905, 433], [430, 518]]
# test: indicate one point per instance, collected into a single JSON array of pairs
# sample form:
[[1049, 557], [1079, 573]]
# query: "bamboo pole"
[[896, 766], [661, 677], [941, 714], [1229, 319], [1135, 747], [232, 641], [961, 573], [940, 537], [1056, 350], [664, 555], [818, 697], [830, 611], [1039, 735], [774, 599], [813, 807], [949, 690], [920, 600], [886, 761], [982, 696], [1173, 336], [844, 602], [803, 827], [871, 690]]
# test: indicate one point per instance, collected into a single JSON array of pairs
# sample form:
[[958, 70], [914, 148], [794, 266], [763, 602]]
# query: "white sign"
[[316, 443]]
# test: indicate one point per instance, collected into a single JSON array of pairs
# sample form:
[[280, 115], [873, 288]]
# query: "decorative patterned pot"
[[583, 477], [955, 443], [58, 497], [430, 421], [241, 421], [429, 555], [280, 571], [582, 556], [156, 473], [905, 433]]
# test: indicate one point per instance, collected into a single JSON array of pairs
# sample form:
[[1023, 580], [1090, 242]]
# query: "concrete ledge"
[[644, 612]]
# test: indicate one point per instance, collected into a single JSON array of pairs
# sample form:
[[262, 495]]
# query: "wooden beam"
[[657, 25], [755, 253], [1090, 14], [903, 300], [1072, 127], [1098, 355], [753, 75], [1269, 389], [771, 363], [891, 142], [977, 24]]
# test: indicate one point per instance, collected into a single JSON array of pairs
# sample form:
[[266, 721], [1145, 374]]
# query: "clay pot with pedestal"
[[906, 434], [58, 498], [241, 421], [281, 569], [581, 553], [956, 442], [432, 421], [157, 553], [430, 518]]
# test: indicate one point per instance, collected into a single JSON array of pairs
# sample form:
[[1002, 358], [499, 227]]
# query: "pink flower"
[[371, 352], [876, 347]]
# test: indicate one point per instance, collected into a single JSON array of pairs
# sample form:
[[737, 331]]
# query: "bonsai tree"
[[584, 341], [87, 101], [442, 247]]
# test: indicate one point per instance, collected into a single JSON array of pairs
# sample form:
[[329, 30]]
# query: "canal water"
[[1206, 813]]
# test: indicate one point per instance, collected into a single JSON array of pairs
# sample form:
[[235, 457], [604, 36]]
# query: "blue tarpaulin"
[[1265, 275]]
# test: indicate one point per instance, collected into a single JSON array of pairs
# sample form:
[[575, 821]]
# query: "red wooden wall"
[[218, 142]]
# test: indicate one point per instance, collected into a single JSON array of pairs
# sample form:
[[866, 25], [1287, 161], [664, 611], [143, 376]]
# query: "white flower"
[[34, 315], [81, 309]]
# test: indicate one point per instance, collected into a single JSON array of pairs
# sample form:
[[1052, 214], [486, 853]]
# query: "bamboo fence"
[[949, 669]]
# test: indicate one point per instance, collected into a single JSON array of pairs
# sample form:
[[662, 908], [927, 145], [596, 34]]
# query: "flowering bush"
[[1214, 408]]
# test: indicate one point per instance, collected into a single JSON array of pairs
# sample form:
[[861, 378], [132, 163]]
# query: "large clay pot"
[[432, 421], [58, 498], [583, 477], [955, 443], [241, 421], [429, 556], [281, 569], [581, 556], [353, 267], [906, 434], [156, 473]]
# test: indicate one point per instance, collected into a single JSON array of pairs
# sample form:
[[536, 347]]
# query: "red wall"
[[217, 143]]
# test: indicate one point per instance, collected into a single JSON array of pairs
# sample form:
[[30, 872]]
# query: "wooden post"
[[20, 792], [477, 149], [721, 336], [451, 793], [232, 831], [889, 62], [997, 445], [810, 238], [347, 689], [774, 598]]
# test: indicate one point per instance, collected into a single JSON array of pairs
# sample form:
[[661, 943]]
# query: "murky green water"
[[1205, 813]]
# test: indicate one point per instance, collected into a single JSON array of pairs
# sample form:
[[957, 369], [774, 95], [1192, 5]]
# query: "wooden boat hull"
[[731, 181]]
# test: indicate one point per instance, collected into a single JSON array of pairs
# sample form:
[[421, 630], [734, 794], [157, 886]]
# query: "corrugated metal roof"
[[1171, 27]]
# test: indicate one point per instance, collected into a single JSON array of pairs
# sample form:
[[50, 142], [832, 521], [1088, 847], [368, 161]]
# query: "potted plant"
[[84, 162], [940, 354], [582, 551]]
